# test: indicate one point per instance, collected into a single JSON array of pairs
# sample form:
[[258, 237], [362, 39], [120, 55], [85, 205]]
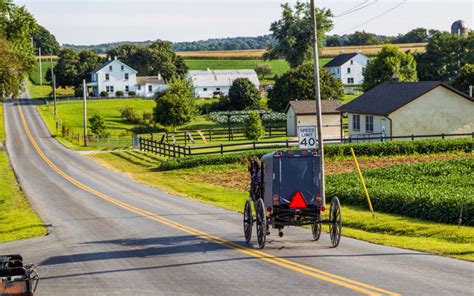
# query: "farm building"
[[303, 113], [348, 67], [210, 83], [115, 76], [410, 108]]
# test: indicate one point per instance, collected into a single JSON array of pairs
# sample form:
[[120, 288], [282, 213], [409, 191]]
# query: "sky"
[[102, 21]]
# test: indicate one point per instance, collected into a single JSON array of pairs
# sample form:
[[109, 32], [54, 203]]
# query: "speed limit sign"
[[307, 137]]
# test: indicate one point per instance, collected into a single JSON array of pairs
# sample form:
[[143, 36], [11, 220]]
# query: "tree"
[[67, 69], [332, 41], [298, 84], [175, 106], [44, 39], [464, 79], [445, 55], [389, 63], [362, 38], [88, 61], [11, 70], [156, 58], [243, 95], [263, 70], [254, 129], [97, 125], [417, 35], [293, 33]]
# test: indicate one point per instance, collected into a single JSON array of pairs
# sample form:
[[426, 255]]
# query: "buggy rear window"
[[298, 174]]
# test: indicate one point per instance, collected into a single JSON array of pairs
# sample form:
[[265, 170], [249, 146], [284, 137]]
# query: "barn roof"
[[308, 107], [390, 96], [110, 62], [216, 78], [340, 59], [150, 80]]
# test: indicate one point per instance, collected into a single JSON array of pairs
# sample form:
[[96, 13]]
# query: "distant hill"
[[218, 44]]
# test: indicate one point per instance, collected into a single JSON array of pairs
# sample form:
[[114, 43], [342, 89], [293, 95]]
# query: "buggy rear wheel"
[[261, 224], [335, 222], [316, 227], [248, 221]]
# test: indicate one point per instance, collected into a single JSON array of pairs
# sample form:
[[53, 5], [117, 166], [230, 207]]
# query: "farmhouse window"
[[110, 68], [122, 67], [350, 80], [139, 87], [126, 76], [337, 70], [369, 124], [204, 89], [352, 62], [150, 88], [356, 122], [107, 76], [348, 70], [218, 88], [126, 87]]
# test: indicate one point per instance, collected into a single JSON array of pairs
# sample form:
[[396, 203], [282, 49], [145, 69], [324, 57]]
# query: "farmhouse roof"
[[217, 78], [308, 107], [340, 59], [390, 96], [150, 80], [110, 62]]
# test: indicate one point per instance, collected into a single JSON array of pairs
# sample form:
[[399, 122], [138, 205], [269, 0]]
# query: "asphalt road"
[[109, 235]]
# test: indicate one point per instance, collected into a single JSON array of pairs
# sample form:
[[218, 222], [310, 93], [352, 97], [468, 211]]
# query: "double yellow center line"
[[267, 257]]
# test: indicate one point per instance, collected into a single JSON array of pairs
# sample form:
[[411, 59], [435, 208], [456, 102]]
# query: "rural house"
[[209, 83], [115, 76], [303, 113], [410, 108], [348, 67]]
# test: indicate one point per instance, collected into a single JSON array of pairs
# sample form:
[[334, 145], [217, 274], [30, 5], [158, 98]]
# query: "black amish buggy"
[[285, 191], [15, 278]]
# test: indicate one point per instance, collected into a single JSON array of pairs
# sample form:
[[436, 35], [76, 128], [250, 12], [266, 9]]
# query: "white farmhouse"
[[115, 76], [209, 83], [410, 108], [348, 67]]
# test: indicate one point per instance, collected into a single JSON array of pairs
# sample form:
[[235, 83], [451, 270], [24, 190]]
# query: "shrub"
[[119, 93], [254, 129], [243, 95], [78, 92], [129, 114], [104, 94], [147, 117], [240, 116], [97, 125], [132, 94]]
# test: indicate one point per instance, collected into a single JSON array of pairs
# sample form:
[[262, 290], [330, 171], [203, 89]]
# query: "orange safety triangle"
[[298, 201]]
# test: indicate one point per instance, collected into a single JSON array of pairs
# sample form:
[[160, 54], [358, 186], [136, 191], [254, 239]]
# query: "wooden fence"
[[172, 150]]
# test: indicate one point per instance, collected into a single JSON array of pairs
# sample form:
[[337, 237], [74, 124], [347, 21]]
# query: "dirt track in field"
[[238, 178]]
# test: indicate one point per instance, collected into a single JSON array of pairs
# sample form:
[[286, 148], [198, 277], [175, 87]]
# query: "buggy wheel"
[[261, 224], [316, 227], [248, 221], [335, 222]]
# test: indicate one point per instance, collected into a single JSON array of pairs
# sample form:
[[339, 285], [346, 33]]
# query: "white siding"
[[358, 63], [379, 122], [331, 124], [116, 78]]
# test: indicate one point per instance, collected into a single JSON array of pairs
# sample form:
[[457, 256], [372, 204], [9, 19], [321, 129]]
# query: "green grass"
[[35, 74], [386, 229], [278, 66], [17, 219], [45, 91]]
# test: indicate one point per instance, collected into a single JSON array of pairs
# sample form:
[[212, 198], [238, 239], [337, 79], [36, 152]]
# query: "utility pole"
[[317, 95], [53, 82], [470, 91], [41, 68], [84, 90]]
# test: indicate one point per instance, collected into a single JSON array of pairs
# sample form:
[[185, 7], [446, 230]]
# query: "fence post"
[[189, 151], [270, 131], [210, 135], [287, 144], [412, 137], [442, 136], [185, 140], [222, 149], [254, 145]]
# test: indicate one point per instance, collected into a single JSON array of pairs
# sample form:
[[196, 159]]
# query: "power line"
[[358, 7], [376, 17]]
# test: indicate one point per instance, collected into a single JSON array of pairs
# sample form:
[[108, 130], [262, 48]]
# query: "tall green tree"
[[417, 35], [156, 58], [293, 33], [43, 39], [298, 84], [445, 55], [11, 70], [254, 129], [390, 63], [67, 69], [243, 95], [464, 79], [175, 106], [362, 38]]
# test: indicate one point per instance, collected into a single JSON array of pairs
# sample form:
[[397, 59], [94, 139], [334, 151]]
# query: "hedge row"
[[439, 191], [362, 149]]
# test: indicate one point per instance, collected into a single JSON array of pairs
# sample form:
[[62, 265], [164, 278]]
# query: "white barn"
[[115, 76], [348, 67], [208, 83]]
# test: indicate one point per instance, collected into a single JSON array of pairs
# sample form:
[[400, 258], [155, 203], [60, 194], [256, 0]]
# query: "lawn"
[[35, 74], [17, 219], [225, 186]]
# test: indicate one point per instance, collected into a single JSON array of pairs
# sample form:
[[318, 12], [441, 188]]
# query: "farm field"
[[226, 186], [17, 219]]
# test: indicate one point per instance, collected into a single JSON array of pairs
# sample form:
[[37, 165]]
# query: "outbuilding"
[[410, 108], [303, 113]]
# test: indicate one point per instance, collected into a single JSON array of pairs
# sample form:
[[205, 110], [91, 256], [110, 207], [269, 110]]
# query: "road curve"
[[109, 235]]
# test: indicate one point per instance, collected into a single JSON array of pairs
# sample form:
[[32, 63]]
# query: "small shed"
[[303, 113]]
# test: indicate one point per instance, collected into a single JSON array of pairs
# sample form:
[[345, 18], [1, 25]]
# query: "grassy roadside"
[[17, 219], [386, 229]]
